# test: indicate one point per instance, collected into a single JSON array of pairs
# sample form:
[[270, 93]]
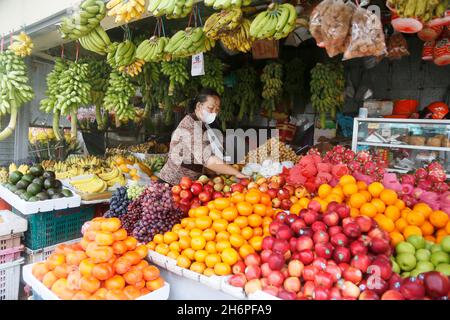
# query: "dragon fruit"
[[363, 156], [390, 181], [369, 168], [409, 200], [408, 179], [339, 170], [436, 172], [425, 185], [421, 174], [354, 166], [363, 177], [407, 189], [429, 197], [323, 177], [309, 170], [441, 187], [339, 149], [323, 167], [417, 192], [349, 155]]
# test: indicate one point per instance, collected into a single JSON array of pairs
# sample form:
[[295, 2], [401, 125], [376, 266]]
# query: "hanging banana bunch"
[[84, 20], [177, 72], [96, 41], [274, 23], [247, 96], [227, 107], [227, 4], [172, 9], [14, 88], [152, 49], [272, 86], [213, 77], [118, 96], [22, 45], [122, 57], [222, 22], [188, 42], [239, 39], [125, 10], [149, 80]]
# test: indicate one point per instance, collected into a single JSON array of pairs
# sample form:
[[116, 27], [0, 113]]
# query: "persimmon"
[[81, 295], [151, 273], [76, 246], [155, 284], [115, 282], [133, 257], [145, 291], [131, 243], [133, 276], [61, 290], [74, 258], [120, 235], [104, 238], [132, 292], [142, 251], [102, 271], [39, 270], [99, 254], [63, 249], [96, 223], [116, 294], [84, 243], [122, 265], [54, 260], [89, 284], [140, 284], [101, 293], [90, 235], [141, 265], [86, 266], [111, 225], [49, 279], [73, 280], [61, 271]]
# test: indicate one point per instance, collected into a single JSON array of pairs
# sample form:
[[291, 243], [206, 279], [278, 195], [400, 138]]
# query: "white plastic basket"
[[46, 294], [33, 256], [10, 280]]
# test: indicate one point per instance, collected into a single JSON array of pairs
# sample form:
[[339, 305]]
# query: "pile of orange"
[[106, 264], [214, 237], [384, 206]]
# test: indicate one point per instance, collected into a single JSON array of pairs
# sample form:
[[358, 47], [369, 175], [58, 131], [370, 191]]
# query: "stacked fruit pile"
[[106, 264], [214, 237], [272, 149]]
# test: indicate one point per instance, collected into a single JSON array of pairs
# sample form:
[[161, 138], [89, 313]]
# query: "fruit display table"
[[186, 289]]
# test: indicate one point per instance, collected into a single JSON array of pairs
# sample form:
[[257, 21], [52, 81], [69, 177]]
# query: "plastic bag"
[[397, 46], [315, 21], [366, 36], [336, 26]]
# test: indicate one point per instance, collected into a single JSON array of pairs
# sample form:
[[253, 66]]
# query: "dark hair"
[[201, 96]]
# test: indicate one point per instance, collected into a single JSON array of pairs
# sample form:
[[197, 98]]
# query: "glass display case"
[[405, 144]]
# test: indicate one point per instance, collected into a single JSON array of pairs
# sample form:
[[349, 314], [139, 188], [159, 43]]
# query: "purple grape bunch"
[[118, 205]]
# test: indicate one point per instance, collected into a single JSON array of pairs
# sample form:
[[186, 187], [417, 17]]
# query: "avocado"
[[33, 199], [26, 195], [15, 177], [48, 174], [13, 188], [49, 183], [51, 192], [22, 184], [19, 192], [37, 170], [67, 193], [28, 177], [57, 185], [39, 181], [34, 189], [57, 196], [42, 196]]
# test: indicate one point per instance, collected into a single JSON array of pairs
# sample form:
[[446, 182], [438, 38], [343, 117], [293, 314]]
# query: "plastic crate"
[[10, 254], [10, 280], [49, 228], [11, 231], [33, 256]]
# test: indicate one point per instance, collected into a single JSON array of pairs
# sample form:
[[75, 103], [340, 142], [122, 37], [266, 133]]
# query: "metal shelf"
[[403, 146]]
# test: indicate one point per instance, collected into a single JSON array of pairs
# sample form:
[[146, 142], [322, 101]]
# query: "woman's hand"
[[241, 176]]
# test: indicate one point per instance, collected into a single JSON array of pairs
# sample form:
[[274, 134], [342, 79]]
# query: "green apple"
[[405, 274], [406, 261], [444, 268], [417, 241], [424, 266], [439, 257], [445, 244], [395, 267], [436, 248], [405, 247], [423, 255], [428, 244]]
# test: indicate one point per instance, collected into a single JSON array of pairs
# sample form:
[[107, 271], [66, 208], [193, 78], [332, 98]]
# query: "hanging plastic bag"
[[315, 21], [366, 36], [336, 26], [397, 46]]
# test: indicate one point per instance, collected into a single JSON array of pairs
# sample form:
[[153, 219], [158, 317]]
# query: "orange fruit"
[[170, 237], [200, 255], [196, 232], [388, 196], [229, 256], [203, 222], [258, 231], [201, 211], [173, 254], [189, 253], [354, 212], [415, 218], [265, 199], [212, 259], [401, 224], [222, 269], [267, 221], [411, 230], [440, 237], [191, 213], [361, 185], [198, 267], [221, 203], [304, 202], [396, 237], [424, 208], [209, 234], [296, 208], [220, 225], [247, 233], [233, 228], [441, 232], [185, 242], [259, 209], [176, 227], [230, 213], [158, 238], [211, 247], [347, 179], [368, 209], [208, 272], [337, 190], [211, 205], [254, 220], [238, 197], [222, 235], [427, 228], [162, 248], [198, 243], [375, 189], [256, 242], [222, 245], [447, 227], [392, 212], [405, 212], [385, 223], [400, 204], [242, 222], [333, 197], [245, 250], [379, 205], [357, 200], [349, 189], [366, 194], [439, 219], [324, 190], [244, 208], [215, 214], [237, 240], [253, 196], [151, 245], [183, 261]]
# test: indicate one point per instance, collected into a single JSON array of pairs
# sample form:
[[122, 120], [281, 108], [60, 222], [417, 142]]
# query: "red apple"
[[285, 271], [290, 189], [350, 290], [320, 263], [436, 284], [286, 204], [343, 211], [252, 286], [306, 256], [308, 288], [252, 272], [218, 180], [332, 206], [238, 267], [196, 188], [334, 271], [392, 295], [218, 187], [295, 268], [291, 218], [334, 230], [368, 295], [276, 203], [352, 274], [324, 250], [264, 282], [252, 185], [342, 254], [319, 226], [297, 225], [206, 197], [379, 286], [381, 268], [264, 187], [395, 281], [352, 230], [358, 247], [208, 189], [309, 272], [267, 243], [237, 187], [281, 216], [176, 189], [323, 279], [186, 194], [265, 254], [272, 193], [307, 232], [300, 192], [185, 183], [227, 194], [364, 223], [284, 232], [379, 246], [238, 280], [195, 203], [321, 293], [215, 195], [271, 290], [292, 284], [274, 226], [274, 185], [253, 259], [293, 244], [176, 198], [244, 182], [361, 261], [314, 206], [335, 294], [265, 269], [275, 278], [286, 295], [331, 219], [304, 243], [283, 193], [343, 266], [412, 289], [185, 201], [339, 240], [276, 261], [310, 217], [320, 237]]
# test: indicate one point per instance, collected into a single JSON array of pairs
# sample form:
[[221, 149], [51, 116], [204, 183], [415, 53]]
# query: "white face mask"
[[208, 117]]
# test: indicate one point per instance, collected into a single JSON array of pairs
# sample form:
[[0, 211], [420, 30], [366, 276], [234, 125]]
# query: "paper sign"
[[198, 65]]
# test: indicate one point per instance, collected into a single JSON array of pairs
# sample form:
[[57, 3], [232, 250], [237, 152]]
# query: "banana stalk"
[[73, 125], [56, 131], [6, 132]]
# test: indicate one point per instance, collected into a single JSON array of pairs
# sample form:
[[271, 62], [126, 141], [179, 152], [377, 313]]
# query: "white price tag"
[[198, 65]]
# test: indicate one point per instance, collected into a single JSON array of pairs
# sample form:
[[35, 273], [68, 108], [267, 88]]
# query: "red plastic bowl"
[[405, 107]]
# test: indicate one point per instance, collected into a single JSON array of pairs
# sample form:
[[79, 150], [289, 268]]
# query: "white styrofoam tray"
[[26, 207], [47, 294], [261, 295], [12, 223]]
